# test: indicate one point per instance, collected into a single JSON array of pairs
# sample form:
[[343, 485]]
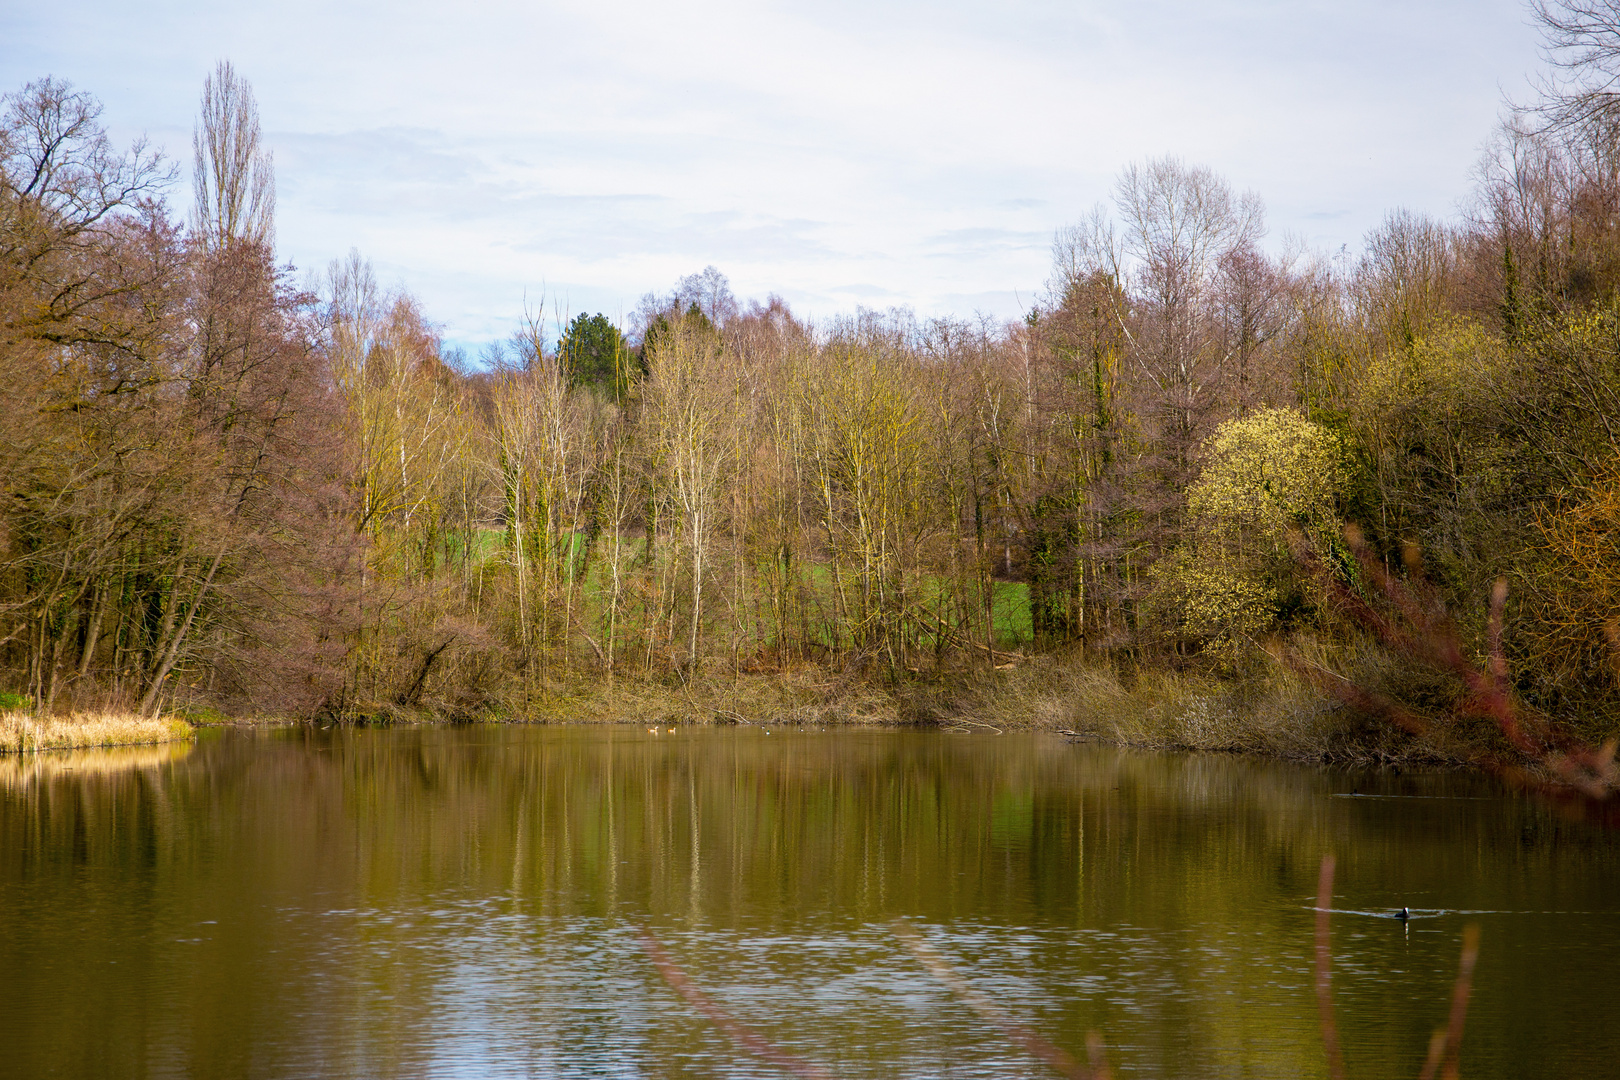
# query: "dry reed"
[[22, 733]]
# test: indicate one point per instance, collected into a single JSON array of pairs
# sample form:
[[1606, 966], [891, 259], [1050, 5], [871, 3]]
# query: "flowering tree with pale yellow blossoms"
[[1271, 481]]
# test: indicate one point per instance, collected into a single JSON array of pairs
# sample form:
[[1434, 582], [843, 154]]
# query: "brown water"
[[465, 903]]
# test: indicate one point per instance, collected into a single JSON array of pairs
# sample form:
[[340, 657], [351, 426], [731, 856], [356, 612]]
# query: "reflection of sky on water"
[[449, 903]]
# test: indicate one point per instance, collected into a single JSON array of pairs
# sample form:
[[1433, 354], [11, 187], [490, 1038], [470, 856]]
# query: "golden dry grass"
[[807, 695], [22, 733], [1275, 713], [1270, 710]]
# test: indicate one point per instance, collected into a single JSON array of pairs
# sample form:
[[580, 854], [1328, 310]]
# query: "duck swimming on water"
[[1403, 914]]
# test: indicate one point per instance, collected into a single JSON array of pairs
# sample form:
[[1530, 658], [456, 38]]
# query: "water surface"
[[466, 902]]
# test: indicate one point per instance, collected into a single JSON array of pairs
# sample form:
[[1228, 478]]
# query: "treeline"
[[224, 488]]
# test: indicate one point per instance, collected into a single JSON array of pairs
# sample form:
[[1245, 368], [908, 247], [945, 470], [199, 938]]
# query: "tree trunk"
[[172, 653]]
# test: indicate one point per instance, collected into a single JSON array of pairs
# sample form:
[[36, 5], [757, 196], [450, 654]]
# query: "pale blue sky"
[[836, 153]]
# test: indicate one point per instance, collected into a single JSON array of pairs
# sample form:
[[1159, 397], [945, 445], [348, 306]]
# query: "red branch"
[[1446, 1046], [1017, 1034], [1324, 962], [744, 1038], [1420, 629]]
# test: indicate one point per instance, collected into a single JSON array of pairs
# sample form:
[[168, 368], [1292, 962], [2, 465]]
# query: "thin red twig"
[[1324, 961], [1097, 1056], [742, 1036], [1446, 1047], [1425, 633], [1016, 1033]]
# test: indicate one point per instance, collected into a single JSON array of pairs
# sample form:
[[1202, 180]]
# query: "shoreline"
[[1276, 714], [1280, 716]]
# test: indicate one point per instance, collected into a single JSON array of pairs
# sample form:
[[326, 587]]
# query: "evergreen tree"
[[594, 353]]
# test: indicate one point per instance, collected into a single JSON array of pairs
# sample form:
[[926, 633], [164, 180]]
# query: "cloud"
[[596, 151]]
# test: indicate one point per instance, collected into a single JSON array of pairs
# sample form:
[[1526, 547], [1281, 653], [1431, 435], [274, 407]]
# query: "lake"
[[487, 901]]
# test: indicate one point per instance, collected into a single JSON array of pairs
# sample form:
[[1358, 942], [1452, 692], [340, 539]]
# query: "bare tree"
[[692, 405], [1407, 279], [1179, 223], [707, 293], [87, 280], [710, 292], [67, 198], [233, 177], [56, 159], [1580, 40]]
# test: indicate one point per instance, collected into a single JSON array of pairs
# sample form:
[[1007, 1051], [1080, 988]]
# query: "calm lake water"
[[467, 903]]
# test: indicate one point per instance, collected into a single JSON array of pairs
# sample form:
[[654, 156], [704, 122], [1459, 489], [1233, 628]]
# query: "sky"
[[493, 158]]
